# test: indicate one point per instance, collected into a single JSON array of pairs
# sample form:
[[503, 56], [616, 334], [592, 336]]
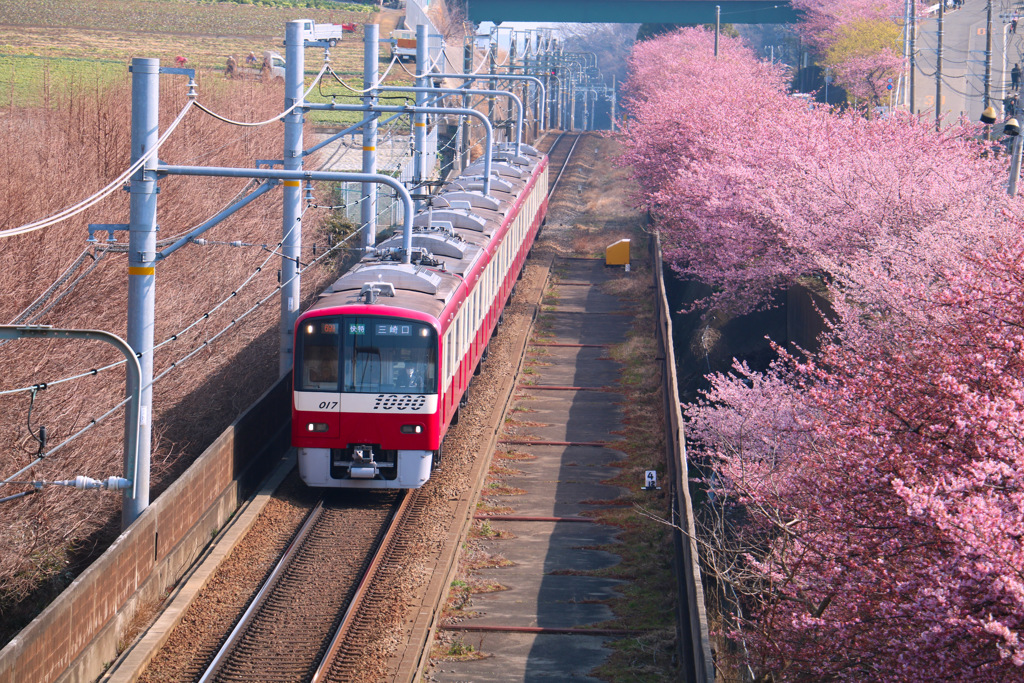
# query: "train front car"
[[366, 396], [384, 359]]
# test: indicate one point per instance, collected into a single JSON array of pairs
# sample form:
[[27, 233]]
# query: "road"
[[963, 61]]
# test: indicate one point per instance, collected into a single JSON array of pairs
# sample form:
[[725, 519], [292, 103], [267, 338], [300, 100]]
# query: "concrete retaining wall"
[[90, 622], [692, 622]]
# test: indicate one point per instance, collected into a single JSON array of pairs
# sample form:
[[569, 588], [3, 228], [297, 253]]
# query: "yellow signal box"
[[617, 254]]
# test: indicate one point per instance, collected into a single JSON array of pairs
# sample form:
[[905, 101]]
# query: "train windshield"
[[365, 354]]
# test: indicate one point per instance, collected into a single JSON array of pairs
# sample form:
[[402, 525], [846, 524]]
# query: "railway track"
[[321, 614], [559, 154], [292, 629]]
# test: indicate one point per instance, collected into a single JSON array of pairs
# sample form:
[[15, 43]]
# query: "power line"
[[300, 101], [103, 193]]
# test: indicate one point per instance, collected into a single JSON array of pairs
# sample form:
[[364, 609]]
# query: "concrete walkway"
[[567, 417]]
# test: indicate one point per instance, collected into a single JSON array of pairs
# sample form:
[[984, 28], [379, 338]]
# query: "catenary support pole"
[[142, 263], [493, 70], [514, 102], [420, 119], [488, 128], [291, 226], [467, 68], [371, 69], [494, 79], [614, 90]]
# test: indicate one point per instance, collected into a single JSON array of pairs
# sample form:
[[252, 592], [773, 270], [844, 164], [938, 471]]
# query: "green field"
[[26, 81], [48, 48]]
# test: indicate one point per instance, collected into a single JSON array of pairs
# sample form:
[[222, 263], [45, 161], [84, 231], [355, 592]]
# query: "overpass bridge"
[[633, 11]]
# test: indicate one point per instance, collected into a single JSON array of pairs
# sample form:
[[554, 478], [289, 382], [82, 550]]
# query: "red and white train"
[[384, 359]]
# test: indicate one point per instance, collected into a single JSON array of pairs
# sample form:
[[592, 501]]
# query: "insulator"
[[83, 483]]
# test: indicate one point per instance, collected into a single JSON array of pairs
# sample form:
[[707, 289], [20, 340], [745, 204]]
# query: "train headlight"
[[412, 429], [316, 427]]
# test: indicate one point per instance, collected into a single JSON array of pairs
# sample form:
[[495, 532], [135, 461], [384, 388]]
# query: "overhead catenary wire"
[[169, 339], [134, 168], [42, 299], [380, 80], [174, 365], [299, 102], [174, 337], [92, 423], [97, 197]]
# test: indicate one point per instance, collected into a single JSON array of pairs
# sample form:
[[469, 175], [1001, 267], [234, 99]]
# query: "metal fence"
[[691, 617], [390, 211]]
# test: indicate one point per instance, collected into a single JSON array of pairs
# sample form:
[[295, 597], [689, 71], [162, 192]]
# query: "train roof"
[[450, 236]]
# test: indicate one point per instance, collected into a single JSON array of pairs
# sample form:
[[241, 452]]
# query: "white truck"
[[404, 46], [329, 33]]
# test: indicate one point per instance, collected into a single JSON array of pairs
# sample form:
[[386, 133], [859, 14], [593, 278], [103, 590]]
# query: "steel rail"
[[214, 668], [365, 582], [565, 164]]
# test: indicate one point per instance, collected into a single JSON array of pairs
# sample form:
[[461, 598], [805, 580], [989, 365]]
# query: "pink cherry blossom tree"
[[859, 39], [875, 484]]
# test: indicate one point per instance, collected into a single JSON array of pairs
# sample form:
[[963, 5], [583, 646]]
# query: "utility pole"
[[586, 108], [938, 68], [988, 55], [371, 68], [718, 26], [291, 226], [142, 262], [913, 52]]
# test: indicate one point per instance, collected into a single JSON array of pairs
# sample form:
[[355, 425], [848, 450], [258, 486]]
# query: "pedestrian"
[[1015, 76], [251, 59], [180, 61], [230, 68], [1013, 25], [1010, 105]]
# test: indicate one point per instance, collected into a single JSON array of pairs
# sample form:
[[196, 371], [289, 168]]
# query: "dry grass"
[[52, 156]]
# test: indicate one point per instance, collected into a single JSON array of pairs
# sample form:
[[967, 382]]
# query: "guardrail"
[[691, 617]]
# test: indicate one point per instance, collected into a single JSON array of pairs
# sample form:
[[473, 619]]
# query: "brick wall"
[[84, 629]]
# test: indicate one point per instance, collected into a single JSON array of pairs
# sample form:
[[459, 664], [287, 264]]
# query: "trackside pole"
[[291, 245], [371, 68], [467, 68], [142, 269], [420, 120]]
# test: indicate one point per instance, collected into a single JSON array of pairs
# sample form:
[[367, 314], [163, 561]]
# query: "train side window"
[[458, 338], [448, 356]]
